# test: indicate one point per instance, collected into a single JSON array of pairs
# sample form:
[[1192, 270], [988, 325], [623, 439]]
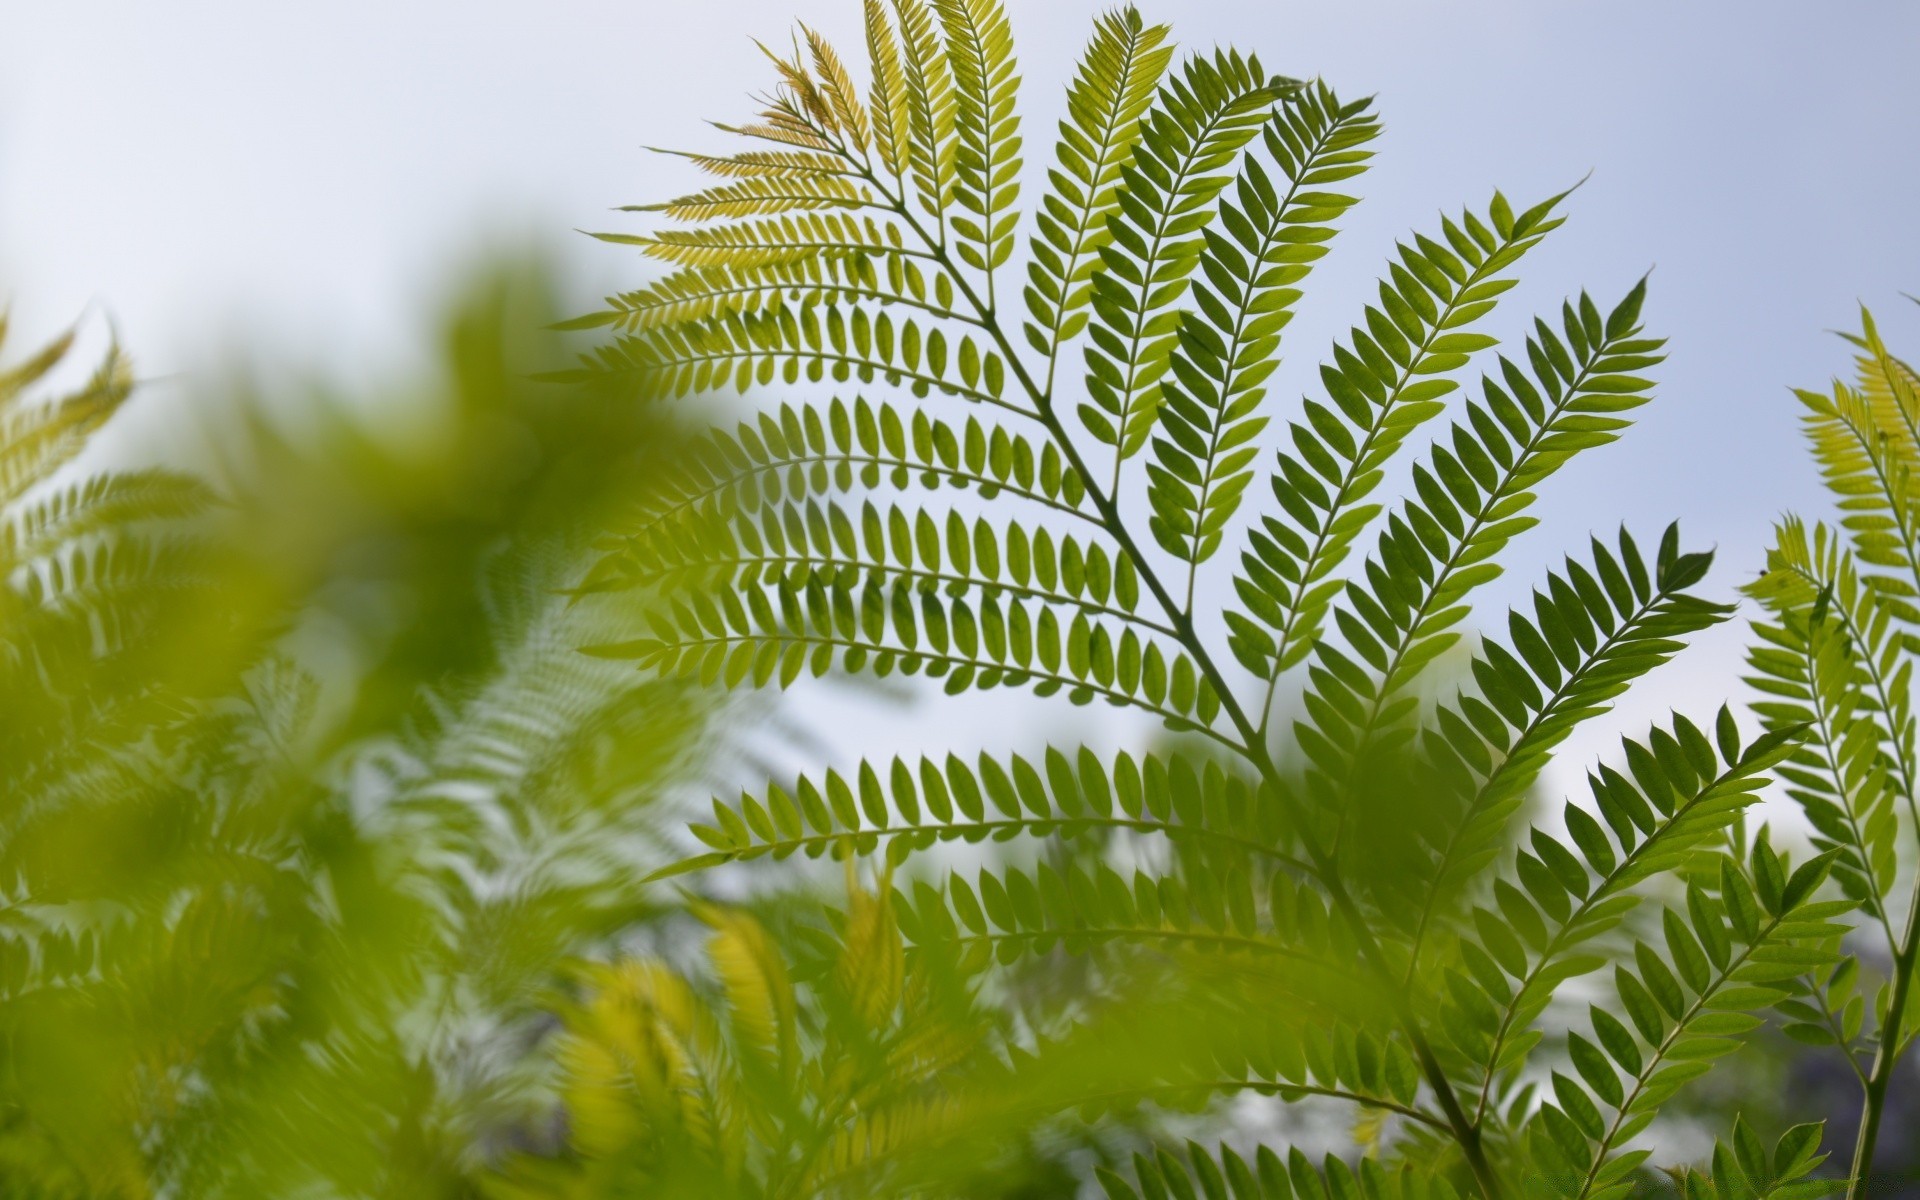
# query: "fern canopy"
[[1351, 883]]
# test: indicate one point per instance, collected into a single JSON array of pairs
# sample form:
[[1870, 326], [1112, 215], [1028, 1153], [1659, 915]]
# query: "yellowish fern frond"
[[873, 962], [891, 117], [802, 102], [755, 163], [643, 1059], [753, 244], [841, 93], [764, 196], [1870, 467], [930, 106], [37, 439], [759, 993], [1890, 386], [987, 131]]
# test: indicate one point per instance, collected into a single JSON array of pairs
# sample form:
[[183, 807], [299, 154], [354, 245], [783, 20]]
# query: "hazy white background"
[[302, 174]]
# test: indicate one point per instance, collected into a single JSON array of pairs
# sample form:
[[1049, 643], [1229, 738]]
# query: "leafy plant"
[[306, 797], [1834, 656], [1348, 884]]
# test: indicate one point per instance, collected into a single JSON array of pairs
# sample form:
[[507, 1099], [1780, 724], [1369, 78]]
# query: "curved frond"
[[1689, 1002]]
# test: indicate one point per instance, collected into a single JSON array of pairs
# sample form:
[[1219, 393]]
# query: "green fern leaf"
[[1111, 90], [1244, 298], [1444, 544], [1386, 383], [986, 156], [930, 104], [1182, 161]]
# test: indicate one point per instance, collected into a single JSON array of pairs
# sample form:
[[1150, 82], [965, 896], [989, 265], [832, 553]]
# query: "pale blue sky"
[[207, 170]]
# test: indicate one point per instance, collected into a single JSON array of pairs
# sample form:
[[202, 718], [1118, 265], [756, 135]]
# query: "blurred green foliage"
[[307, 794]]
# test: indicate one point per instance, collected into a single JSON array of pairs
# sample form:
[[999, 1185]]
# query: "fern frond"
[[740, 349], [687, 297], [860, 446], [1683, 790], [986, 157], [749, 245], [801, 107], [1830, 662], [1890, 385], [930, 102], [781, 630], [1188, 142], [1390, 380], [1444, 544], [37, 439], [97, 505], [1866, 443], [1747, 1170], [643, 1046], [909, 808], [843, 97], [768, 164], [1244, 298], [892, 116], [1111, 90], [1014, 914], [1490, 747], [793, 543], [1689, 1002], [764, 195], [1222, 1173]]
